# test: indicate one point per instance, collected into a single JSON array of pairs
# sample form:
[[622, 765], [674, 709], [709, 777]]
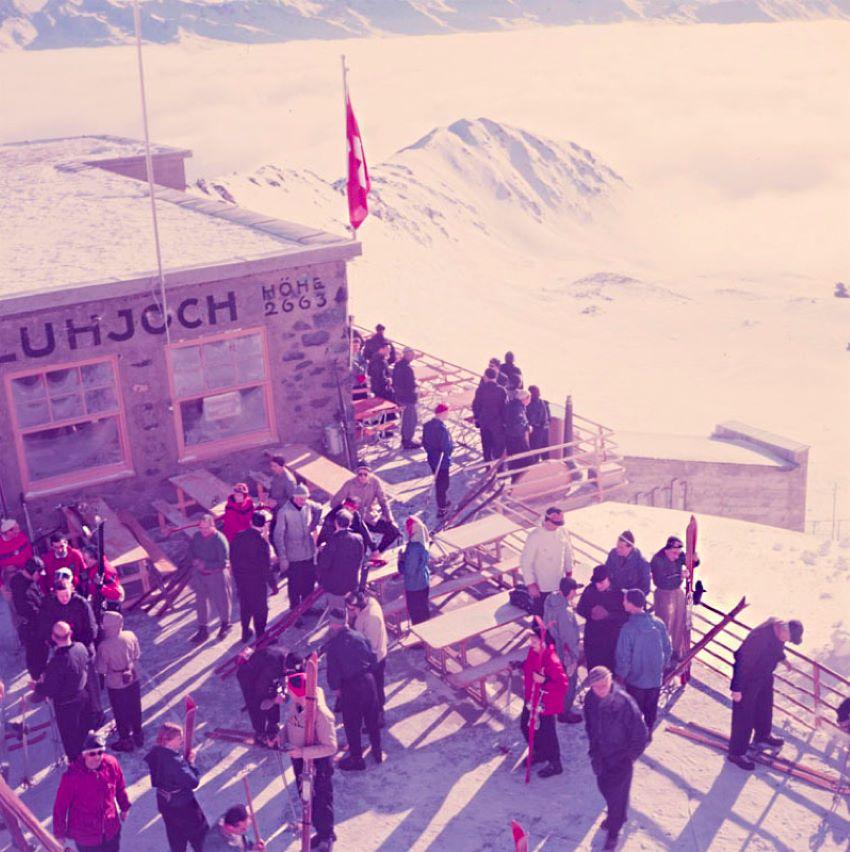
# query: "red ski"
[[690, 558], [532, 713], [189, 726], [312, 673], [520, 837]]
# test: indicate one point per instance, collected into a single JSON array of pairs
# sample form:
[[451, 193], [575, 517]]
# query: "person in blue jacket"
[[626, 566], [413, 566], [643, 652], [174, 778], [438, 445]]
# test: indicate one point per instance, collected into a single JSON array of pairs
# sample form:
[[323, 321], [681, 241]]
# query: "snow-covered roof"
[[65, 222], [694, 448]]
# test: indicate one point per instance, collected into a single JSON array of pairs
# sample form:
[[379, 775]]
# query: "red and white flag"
[[358, 172]]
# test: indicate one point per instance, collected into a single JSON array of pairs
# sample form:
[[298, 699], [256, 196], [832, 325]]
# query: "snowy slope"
[[77, 23]]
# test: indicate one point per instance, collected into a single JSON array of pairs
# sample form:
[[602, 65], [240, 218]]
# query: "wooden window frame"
[[88, 476], [249, 439]]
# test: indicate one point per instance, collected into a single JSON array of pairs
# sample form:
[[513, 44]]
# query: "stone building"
[[109, 386]]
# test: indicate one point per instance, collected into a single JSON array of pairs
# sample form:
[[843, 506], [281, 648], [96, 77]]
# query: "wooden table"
[[449, 635], [317, 470], [120, 545], [373, 408], [475, 538], [378, 577], [202, 488]]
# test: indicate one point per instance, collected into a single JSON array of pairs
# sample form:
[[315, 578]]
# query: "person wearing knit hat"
[[617, 737], [626, 565], [601, 606], [752, 687], [642, 654], [414, 567], [670, 603], [438, 444], [406, 395], [91, 802]]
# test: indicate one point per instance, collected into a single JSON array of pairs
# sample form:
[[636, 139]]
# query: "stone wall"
[[303, 311]]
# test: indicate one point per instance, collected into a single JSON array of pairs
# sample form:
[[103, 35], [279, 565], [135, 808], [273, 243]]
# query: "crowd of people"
[[67, 603]]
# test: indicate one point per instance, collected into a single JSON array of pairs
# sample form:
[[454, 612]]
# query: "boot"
[[770, 742], [743, 761], [224, 630], [550, 770], [611, 840], [201, 636], [411, 445], [124, 744], [351, 764]]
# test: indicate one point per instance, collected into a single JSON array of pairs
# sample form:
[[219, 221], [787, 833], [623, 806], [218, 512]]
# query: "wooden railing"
[[806, 690]]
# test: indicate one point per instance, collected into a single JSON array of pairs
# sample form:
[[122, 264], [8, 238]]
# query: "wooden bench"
[[201, 488], [166, 511], [473, 679], [547, 478]]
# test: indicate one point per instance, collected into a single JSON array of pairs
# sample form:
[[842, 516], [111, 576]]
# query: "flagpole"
[[350, 230], [137, 23]]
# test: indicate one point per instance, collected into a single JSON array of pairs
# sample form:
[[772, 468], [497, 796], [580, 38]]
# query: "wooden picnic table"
[[202, 488], [474, 539], [459, 626], [316, 470], [373, 408], [119, 544]]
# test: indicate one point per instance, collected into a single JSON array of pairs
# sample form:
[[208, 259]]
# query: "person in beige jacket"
[[366, 616], [374, 506], [321, 753], [117, 656]]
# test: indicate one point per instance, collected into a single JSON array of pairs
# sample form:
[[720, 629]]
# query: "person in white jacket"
[[546, 557], [366, 616]]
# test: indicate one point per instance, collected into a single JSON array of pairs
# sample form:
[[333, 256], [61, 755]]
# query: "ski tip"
[[190, 703]]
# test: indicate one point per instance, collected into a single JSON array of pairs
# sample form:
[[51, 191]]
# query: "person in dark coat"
[[351, 505], [378, 341], [511, 372], [488, 409], [260, 679], [752, 686], [64, 683], [351, 663], [516, 428], [27, 600], [643, 652], [230, 832], [669, 602], [617, 737], [250, 562], [404, 385], [67, 606], [174, 778], [544, 679], [602, 608], [380, 380], [538, 416], [438, 444], [339, 561], [92, 801], [626, 566]]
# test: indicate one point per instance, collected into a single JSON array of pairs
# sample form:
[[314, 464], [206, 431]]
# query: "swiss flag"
[[358, 172]]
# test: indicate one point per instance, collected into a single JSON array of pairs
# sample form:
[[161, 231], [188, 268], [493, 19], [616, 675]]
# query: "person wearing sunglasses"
[[91, 802]]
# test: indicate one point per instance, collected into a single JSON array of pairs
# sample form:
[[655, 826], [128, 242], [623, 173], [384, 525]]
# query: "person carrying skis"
[[175, 778], [546, 683], [91, 802], [229, 832], [602, 608], [643, 651], [752, 687], [617, 737], [626, 566], [438, 445], [669, 602], [546, 557], [260, 678], [562, 625], [321, 752]]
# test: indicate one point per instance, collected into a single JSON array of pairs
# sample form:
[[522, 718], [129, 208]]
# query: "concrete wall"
[[304, 312], [168, 169], [765, 494]]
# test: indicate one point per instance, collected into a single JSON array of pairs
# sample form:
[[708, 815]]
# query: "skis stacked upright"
[[189, 726], [312, 673], [690, 558]]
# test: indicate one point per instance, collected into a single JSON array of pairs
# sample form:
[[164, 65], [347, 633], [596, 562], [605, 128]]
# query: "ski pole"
[[505, 745], [24, 747], [58, 750], [252, 816], [293, 812]]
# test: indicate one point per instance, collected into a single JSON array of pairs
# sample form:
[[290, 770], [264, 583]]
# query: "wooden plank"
[[121, 546], [164, 566], [204, 488], [493, 666], [438, 590], [317, 470], [483, 531], [468, 621], [169, 512], [373, 408]]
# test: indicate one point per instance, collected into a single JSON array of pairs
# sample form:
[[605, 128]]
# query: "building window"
[[69, 426], [220, 388]]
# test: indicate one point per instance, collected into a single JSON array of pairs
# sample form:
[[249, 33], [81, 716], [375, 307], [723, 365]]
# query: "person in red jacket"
[[61, 555], [238, 512], [544, 679], [104, 594], [91, 802], [15, 548]]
